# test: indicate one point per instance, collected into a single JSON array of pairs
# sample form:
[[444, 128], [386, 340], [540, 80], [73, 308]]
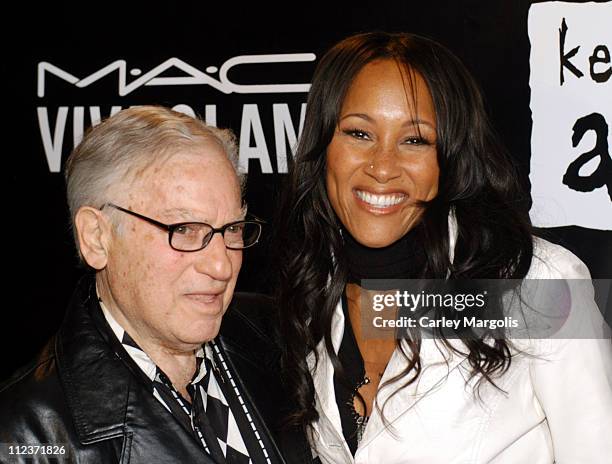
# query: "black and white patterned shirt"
[[218, 416]]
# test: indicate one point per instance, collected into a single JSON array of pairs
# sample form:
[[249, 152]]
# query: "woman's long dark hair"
[[478, 183]]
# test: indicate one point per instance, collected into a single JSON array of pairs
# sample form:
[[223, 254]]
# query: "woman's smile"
[[380, 203], [382, 160]]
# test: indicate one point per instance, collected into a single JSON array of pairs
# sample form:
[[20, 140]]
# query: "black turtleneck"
[[403, 259]]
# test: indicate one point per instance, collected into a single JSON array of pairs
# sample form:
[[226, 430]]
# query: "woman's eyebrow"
[[358, 115], [411, 122], [420, 122]]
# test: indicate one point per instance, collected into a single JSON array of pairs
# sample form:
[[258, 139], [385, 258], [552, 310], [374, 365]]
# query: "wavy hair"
[[478, 183]]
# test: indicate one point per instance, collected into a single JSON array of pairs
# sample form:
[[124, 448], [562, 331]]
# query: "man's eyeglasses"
[[194, 236]]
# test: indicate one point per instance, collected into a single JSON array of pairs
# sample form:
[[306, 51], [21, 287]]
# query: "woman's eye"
[[416, 140], [357, 133]]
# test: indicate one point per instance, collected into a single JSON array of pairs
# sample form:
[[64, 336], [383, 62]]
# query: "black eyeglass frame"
[[170, 228]]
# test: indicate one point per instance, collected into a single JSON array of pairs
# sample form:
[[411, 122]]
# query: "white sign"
[[571, 105]]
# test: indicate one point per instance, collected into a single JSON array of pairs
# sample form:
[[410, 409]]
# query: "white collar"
[[141, 358]]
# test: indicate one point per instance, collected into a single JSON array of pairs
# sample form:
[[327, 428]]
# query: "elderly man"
[[135, 373]]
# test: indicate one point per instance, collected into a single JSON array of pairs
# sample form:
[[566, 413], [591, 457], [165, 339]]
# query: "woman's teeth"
[[380, 201]]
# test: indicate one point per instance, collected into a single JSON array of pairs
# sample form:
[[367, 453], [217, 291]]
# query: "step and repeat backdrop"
[[545, 69]]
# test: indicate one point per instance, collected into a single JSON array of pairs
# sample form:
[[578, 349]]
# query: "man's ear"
[[93, 232]]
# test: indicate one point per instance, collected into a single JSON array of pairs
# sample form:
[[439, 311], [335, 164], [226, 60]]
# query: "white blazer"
[[557, 406]]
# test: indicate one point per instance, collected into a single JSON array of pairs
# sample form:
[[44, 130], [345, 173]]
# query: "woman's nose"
[[384, 163]]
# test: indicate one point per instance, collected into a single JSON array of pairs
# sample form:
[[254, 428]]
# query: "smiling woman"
[[381, 161], [398, 175]]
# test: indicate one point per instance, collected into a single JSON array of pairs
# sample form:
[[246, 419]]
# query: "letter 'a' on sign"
[[602, 176], [571, 107]]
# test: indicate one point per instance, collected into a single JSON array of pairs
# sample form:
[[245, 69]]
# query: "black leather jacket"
[[82, 392]]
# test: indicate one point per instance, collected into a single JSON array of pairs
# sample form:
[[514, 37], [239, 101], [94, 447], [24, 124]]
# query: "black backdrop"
[[81, 38]]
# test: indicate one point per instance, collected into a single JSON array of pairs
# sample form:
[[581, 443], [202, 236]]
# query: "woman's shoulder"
[[552, 261], [569, 296]]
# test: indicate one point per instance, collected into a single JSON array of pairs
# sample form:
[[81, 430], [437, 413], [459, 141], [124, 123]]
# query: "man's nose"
[[214, 259]]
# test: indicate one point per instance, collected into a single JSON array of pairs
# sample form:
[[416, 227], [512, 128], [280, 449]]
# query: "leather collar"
[[102, 382], [90, 370]]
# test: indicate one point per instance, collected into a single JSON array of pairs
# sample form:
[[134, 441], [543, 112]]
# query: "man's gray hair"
[[124, 145]]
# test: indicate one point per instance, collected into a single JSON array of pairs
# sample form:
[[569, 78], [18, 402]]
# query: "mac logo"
[[190, 75]]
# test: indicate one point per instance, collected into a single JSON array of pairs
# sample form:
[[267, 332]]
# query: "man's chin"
[[201, 332]]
